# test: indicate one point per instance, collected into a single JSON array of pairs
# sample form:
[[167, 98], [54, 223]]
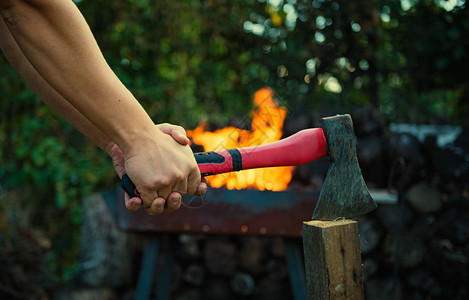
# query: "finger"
[[164, 192], [182, 187], [133, 203], [202, 189], [174, 201], [160, 189], [193, 181], [147, 199], [178, 133], [156, 207], [117, 158]]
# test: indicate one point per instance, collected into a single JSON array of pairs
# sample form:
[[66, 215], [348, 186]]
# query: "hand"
[[179, 135]]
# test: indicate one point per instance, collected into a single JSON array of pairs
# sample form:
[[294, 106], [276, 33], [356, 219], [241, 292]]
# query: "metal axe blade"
[[344, 193]]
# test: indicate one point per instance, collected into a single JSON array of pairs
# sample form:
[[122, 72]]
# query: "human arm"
[[59, 105], [56, 41]]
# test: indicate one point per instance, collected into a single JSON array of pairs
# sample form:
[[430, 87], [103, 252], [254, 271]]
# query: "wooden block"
[[332, 260]]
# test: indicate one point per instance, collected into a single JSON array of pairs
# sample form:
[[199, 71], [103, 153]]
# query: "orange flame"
[[266, 127]]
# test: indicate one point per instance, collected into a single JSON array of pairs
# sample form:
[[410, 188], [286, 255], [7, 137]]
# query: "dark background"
[[186, 61]]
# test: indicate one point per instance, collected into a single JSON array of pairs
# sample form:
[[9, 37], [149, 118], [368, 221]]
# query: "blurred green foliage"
[[203, 59]]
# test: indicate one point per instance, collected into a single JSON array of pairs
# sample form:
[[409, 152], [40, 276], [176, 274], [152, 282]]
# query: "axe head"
[[344, 193]]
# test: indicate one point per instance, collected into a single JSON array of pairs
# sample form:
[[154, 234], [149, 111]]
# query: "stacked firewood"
[[419, 247], [231, 268]]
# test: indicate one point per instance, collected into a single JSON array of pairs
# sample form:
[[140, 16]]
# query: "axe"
[[344, 193]]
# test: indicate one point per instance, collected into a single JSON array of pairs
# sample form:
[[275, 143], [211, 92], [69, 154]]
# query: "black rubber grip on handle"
[[129, 187]]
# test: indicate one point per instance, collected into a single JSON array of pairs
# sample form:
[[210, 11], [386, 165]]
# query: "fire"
[[266, 127]]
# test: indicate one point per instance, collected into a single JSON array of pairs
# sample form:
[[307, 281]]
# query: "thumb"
[[118, 161], [178, 133]]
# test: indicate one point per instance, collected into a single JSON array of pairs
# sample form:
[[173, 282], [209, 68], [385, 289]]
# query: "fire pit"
[[221, 212], [224, 211]]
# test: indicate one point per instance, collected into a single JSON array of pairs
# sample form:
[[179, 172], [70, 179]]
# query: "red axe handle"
[[300, 148]]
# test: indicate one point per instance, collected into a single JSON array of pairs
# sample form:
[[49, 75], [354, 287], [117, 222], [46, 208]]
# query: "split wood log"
[[333, 260]]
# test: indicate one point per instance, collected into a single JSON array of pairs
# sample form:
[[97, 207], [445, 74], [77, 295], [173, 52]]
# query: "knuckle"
[[195, 174], [180, 176], [148, 184], [163, 181]]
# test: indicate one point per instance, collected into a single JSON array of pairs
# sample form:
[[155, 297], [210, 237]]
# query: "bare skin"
[[48, 42]]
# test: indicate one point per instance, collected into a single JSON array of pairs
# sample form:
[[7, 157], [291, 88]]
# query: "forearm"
[[55, 39], [46, 93], [57, 42]]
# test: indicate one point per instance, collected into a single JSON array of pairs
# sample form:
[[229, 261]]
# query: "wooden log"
[[332, 260]]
